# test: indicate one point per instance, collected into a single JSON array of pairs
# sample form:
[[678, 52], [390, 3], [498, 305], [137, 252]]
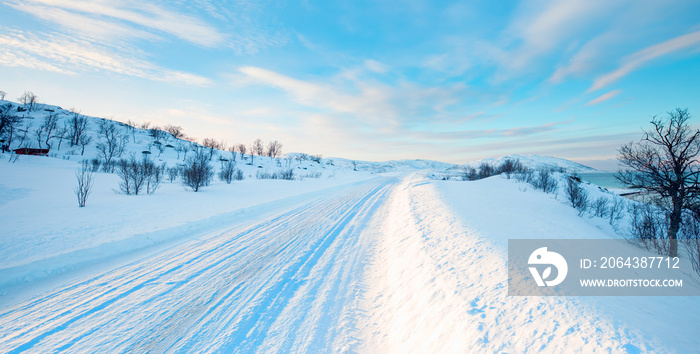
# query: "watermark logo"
[[543, 257]]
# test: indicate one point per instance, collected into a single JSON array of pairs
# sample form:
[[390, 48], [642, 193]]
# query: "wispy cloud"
[[119, 17], [603, 98], [68, 55], [638, 59]]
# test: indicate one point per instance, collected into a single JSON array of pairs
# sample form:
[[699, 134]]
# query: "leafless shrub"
[[137, 176], [173, 173], [197, 172], [600, 207], [29, 100], [545, 181], [510, 167], [469, 174], [578, 197], [84, 176], [114, 141], [226, 172], [647, 227], [77, 125], [617, 208]]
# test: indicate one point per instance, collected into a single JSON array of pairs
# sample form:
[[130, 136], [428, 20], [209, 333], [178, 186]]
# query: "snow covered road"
[[289, 282], [390, 265]]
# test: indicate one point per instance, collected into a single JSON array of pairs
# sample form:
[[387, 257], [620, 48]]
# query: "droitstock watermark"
[[560, 267]]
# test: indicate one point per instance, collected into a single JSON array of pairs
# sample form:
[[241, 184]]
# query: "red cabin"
[[31, 151]]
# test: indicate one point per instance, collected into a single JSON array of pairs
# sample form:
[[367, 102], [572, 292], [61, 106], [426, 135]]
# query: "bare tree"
[[227, 170], [665, 163], [197, 171], [28, 99], [85, 140], [131, 129], [50, 124], [274, 149], [232, 150], [85, 178], [157, 134], [61, 134], [39, 135], [113, 144], [9, 124], [2, 95], [77, 125], [242, 150], [175, 131], [25, 133], [257, 148], [211, 145], [181, 148]]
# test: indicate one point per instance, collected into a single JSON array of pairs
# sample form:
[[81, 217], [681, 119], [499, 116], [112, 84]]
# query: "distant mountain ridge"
[[535, 162]]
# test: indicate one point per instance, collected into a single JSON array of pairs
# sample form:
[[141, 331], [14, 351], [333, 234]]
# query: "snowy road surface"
[[388, 265], [289, 282]]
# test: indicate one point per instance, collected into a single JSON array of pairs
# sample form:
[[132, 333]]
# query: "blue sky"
[[375, 80]]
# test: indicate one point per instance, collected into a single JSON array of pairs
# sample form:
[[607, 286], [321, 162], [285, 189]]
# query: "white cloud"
[[370, 103], [603, 98], [65, 54], [134, 16], [376, 67], [638, 59], [541, 27]]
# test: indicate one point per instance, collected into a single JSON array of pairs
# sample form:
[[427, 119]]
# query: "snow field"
[[438, 285]]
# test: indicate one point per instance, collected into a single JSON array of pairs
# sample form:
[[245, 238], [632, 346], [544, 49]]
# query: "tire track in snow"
[[208, 295]]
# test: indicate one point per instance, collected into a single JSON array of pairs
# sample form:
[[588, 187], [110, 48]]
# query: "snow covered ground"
[[439, 281], [395, 262]]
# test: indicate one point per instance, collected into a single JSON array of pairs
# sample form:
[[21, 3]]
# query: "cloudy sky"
[[374, 80]]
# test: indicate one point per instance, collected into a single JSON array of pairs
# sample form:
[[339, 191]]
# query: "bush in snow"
[[486, 170], [526, 175], [85, 178], [647, 225], [545, 181], [138, 175], [238, 174], [287, 174], [599, 207], [316, 174], [114, 141], [226, 172], [198, 172], [578, 197], [617, 208], [173, 172], [510, 167], [469, 173], [264, 174]]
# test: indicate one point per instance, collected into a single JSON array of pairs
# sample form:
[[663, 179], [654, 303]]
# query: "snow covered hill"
[[536, 162], [163, 147]]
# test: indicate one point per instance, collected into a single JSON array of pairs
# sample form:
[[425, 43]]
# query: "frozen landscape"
[[350, 256]]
